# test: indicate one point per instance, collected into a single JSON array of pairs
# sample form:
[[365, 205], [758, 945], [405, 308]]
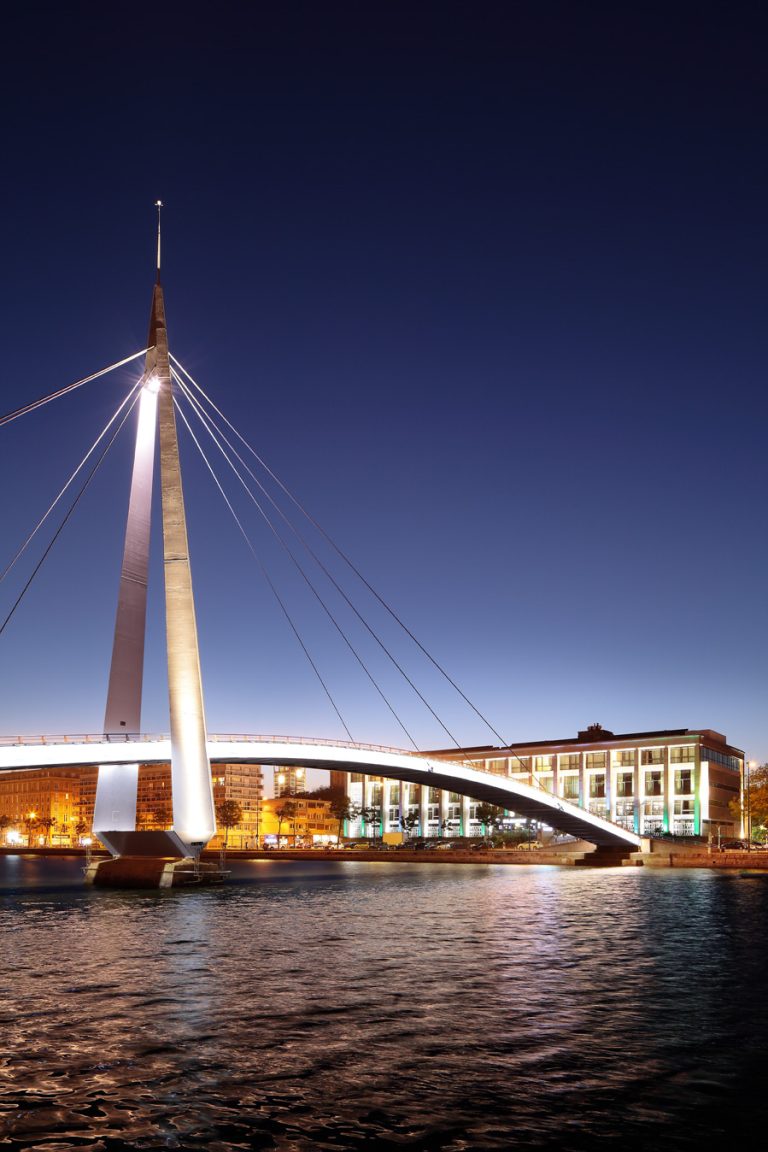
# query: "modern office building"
[[683, 781]]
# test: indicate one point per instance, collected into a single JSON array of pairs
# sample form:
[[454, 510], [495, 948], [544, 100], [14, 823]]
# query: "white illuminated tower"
[[194, 822]]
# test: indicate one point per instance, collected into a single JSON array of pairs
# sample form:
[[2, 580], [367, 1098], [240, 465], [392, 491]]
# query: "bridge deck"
[[526, 800]]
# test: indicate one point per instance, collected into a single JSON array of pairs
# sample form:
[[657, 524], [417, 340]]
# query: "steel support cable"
[[202, 418], [264, 572], [319, 562], [70, 388], [71, 509], [345, 558], [89, 453], [328, 574]]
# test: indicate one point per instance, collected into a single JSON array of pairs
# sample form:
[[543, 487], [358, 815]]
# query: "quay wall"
[[731, 859]]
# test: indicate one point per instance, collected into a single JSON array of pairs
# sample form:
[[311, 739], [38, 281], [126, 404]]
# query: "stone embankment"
[[576, 854], [699, 856], [579, 854], [572, 854]]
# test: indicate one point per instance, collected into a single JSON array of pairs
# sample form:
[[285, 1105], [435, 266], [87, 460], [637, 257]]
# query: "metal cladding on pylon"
[[123, 713], [116, 788], [115, 805], [192, 790]]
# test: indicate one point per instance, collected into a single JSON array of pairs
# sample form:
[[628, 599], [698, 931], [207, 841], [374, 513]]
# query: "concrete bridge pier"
[[150, 860]]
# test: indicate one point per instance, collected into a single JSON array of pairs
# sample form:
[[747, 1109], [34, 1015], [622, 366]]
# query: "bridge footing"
[[604, 858], [152, 872]]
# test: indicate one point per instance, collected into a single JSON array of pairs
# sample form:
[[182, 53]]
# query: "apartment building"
[[299, 820], [55, 805]]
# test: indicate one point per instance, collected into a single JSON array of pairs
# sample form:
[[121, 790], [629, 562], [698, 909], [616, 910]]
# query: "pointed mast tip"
[[158, 205]]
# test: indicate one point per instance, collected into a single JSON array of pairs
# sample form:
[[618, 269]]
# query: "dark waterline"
[[330, 1005]]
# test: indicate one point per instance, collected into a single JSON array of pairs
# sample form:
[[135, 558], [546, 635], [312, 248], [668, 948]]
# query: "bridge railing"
[[233, 738], [213, 738], [78, 738]]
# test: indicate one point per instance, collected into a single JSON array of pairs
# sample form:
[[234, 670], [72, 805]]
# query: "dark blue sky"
[[485, 284]]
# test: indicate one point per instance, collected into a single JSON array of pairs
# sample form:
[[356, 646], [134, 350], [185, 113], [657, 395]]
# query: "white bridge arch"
[[529, 801]]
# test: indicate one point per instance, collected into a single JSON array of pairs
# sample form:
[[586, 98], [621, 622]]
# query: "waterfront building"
[[687, 782], [43, 807], [393, 806], [289, 780], [243, 783], [305, 820], [62, 800]]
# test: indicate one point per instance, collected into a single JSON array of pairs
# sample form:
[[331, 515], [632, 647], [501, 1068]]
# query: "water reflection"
[[349, 1005]]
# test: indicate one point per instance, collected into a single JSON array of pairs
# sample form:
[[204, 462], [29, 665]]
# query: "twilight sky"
[[485, 284]]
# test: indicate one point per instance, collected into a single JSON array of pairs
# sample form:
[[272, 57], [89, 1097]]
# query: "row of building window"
[[571, 761], [569, 787], [714, 757]]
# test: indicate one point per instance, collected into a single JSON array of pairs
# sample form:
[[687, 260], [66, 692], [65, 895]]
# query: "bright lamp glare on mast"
[[153, 384]]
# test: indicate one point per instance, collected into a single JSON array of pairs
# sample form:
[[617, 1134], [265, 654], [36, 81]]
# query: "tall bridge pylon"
[[194, 822]]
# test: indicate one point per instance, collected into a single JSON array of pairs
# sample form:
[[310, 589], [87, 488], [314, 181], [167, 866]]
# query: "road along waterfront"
[[350, 1004]]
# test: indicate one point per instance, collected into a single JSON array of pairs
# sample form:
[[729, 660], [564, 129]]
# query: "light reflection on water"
[[334, 1005]]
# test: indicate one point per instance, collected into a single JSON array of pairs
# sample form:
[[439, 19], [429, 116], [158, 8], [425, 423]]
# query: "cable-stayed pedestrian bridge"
[[529, 801], [352, 609]]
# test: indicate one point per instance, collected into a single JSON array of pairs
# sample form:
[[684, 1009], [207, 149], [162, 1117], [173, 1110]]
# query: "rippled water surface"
[[351, 1005]]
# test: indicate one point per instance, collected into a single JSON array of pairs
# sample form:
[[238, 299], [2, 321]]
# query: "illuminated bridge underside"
[[525, 800]]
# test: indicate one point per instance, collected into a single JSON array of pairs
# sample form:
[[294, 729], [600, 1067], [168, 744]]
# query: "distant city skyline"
[[485, 290]]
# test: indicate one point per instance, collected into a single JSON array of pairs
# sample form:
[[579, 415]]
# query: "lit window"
[[653, 784]]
